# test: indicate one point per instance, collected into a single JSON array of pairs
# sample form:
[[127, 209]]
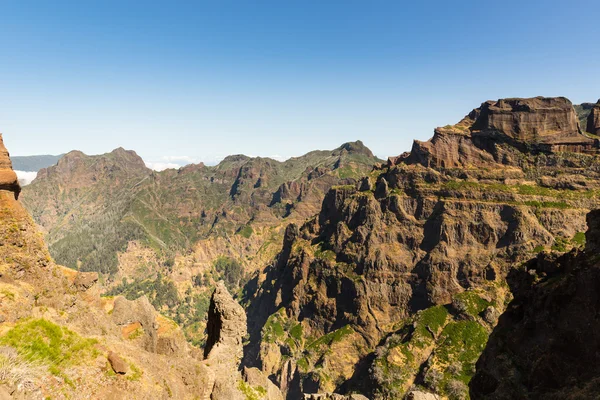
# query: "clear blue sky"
[[206, 79]]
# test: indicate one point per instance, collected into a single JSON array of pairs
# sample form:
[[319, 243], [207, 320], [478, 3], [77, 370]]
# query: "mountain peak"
[[357, 147]]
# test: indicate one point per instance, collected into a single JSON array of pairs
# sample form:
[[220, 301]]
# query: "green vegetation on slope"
[[41, 341]]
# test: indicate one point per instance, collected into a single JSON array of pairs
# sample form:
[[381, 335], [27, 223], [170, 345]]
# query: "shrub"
[[457, 390], [16, 371]]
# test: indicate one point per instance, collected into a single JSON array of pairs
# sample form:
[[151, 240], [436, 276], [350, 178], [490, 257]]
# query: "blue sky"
[[180, 81]]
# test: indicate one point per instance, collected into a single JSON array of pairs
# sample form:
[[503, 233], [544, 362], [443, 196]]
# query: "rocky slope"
[[545, 345], [399, 280], [59, 339]]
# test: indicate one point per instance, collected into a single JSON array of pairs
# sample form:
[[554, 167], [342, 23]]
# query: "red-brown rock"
[[8, 177], [117, 363], [538, 119]]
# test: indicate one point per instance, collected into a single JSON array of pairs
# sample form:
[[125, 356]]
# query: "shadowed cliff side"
[[546, 345]]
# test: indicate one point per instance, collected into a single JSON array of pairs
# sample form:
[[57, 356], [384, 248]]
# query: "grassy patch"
[[42, 341], [252, 393], [323, 254], [560, 244], [296, 332], [428, 321], [246, 231], [471, 303], [461, 343], [273, 329], [579, 239], [538, 249], [331, 338], [135, 373]]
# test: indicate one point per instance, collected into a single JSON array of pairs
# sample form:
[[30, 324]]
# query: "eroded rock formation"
[[226, 329]]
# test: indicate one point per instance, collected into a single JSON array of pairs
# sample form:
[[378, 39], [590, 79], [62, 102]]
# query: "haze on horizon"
[[198, 81]]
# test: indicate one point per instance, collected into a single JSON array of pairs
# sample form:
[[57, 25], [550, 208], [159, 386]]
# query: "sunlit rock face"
[[8, 177]]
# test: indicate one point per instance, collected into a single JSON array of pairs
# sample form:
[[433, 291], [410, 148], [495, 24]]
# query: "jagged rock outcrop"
[[593, 121], [545, 345], [226, 329], [85, 280], [8, 177]]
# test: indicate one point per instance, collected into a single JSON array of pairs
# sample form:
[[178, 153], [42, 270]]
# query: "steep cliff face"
[[539, 119], [545, 344], [400, 279], [8, 177]]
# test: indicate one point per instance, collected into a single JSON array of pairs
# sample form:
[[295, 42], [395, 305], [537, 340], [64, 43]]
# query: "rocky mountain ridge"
[[385, 282], [173, 234]]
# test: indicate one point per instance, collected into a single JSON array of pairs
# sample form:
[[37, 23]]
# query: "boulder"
[[127, 312], [117, 363], [8, 177]]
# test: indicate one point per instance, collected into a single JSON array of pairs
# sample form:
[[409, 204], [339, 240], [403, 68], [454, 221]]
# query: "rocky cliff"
[[399, 280], [545, 345], [8, 177]]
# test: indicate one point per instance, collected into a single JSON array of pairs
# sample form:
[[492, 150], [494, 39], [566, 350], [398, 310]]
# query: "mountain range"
[[460, 269]]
